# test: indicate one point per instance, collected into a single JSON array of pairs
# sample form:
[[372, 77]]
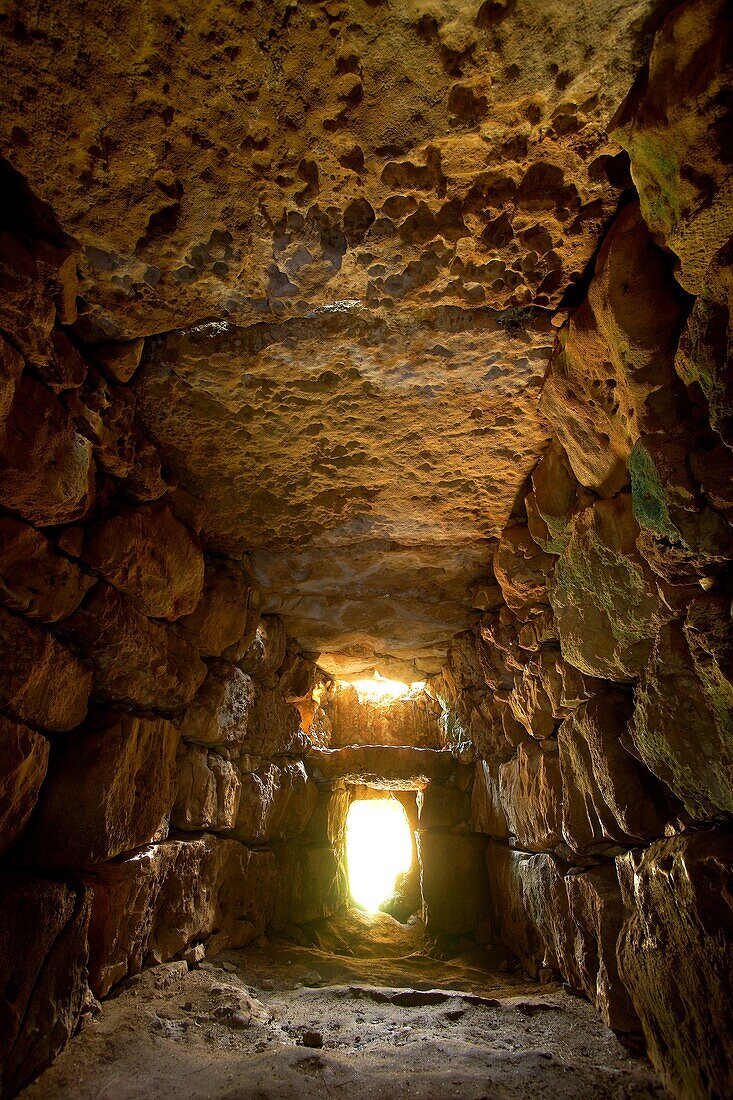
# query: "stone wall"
[[151, 756], [348, 720], [598, 688]]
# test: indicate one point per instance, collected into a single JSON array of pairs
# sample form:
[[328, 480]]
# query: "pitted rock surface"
[[258, 161], [367, 461]]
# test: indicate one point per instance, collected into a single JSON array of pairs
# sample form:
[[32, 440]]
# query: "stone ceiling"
[[346, 226]]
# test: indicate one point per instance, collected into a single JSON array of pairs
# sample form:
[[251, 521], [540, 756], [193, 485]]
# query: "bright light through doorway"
[[378, 848], [378, 689]]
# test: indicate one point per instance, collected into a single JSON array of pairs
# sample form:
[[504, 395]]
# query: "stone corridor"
[[366, 415]]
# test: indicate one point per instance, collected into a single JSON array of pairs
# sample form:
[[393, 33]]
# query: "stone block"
[[530, 790], [23, 764], [455, 886], [35, 580], [150, 556], [43, 973], [675, 957], [41, 682], [110, 789], [135, 662]]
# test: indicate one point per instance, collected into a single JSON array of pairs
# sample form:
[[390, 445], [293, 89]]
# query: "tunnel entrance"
[[378, 848]]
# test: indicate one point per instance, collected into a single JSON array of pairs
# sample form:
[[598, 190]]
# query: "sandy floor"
[[287, 1021]]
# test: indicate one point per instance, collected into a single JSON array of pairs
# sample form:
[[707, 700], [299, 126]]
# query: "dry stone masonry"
[[352, 336]]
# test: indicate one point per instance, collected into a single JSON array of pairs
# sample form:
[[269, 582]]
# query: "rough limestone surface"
[[219, 714], [221, 617], [135, 660], [41, 681], [208, 789], [150, 906], [267, 652], [276, 802], [129, 764], [607, 602], [675, 958], [150, 556], [683, 720], [35, 580], [487, 812], [676, 127], [530, 790], [312, 883], [290, 187], [43, 973], [413, 721], [46, 466], [316, 444], [567, 922], [609, 797], [23, 764], [613, 375]]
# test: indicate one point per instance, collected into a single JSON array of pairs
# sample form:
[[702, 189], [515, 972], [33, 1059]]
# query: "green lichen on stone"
[[649, 503], [558, 528], [659, 190]]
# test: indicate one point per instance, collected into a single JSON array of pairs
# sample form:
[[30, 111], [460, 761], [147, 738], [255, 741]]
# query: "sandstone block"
[[34, 579], [277, 802], [43, 973], [387, 766], [596, 914], [46, 467], [536, 698], [221, 616], [274, 725], [455, 886], [118, 360], [570, 923], [327, 823], [444, 808], [511, 874], [609, 797], [312, 883], [683, 721], [28, 310], [297, 677], [266, 653], [414, 721], [521, 568], [487, 812], [129, 765], [231, 709], [208, 791], [675, 956], [23, 764], [681, 535], [607, 604], [11, 368], [152, 906], [613, 376], [150, 556], [41, 682], [530, 790], [221, 711], [105, 415], [554, 497], [688, 210], [135, 661]]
